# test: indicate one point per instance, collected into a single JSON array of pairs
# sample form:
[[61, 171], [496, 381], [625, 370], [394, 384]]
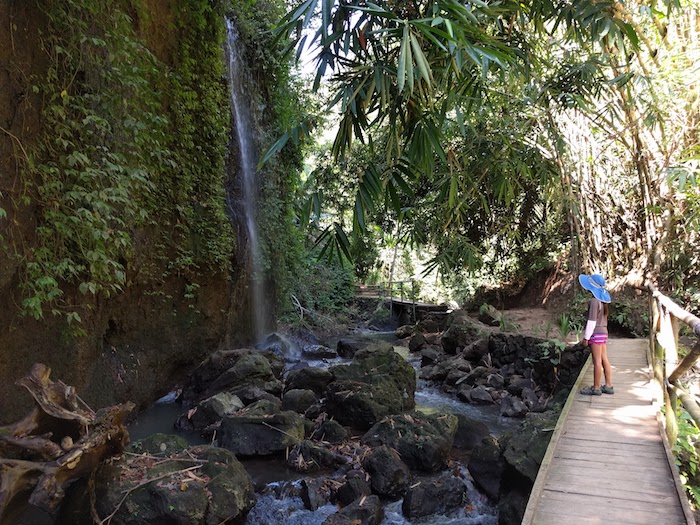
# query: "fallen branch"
[[46, 468]]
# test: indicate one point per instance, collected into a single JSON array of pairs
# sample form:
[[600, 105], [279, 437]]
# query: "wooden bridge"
[[609, 460]]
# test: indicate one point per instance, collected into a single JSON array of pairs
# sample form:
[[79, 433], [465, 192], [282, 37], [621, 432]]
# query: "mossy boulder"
[[423, 441], [201, 486], [261, 435]]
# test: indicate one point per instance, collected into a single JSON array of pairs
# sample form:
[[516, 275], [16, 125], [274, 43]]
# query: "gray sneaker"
[[607, 389], [591, 391]]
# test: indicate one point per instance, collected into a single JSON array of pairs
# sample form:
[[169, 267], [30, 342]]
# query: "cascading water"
[[246, 181]]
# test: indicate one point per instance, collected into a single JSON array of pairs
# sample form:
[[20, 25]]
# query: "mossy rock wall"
[[122, 300]]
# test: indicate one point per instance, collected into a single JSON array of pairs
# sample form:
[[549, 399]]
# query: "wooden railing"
[[389, 290], [663, 341]]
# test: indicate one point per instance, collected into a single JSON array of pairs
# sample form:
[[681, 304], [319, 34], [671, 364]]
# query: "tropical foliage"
[[519, 126]]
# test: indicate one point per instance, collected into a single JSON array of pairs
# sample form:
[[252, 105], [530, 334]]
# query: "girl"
[[596, 334]]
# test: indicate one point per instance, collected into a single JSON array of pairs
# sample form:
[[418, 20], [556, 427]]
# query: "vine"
[[103, 145]]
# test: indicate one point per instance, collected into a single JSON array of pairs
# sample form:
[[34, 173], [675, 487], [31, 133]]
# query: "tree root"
[[57, 442]]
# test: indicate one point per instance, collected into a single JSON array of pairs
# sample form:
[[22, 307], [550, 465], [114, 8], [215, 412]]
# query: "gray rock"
[[470, 433], [389, 476], [330, 431], [298, 400], [513, 407], [423, 441], [354, 488], [437, 496], [486, 465], [319, 352], [261, 435], [480, 395], [370, 512], [307, 456], [311, 378]]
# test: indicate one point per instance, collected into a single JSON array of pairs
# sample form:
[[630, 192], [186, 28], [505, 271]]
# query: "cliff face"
[[119, 267]]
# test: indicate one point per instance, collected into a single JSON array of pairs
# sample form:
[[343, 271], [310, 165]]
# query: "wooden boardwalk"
[[607, 462]]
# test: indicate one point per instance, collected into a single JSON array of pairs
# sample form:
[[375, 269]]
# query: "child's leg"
[[597, 352], [607, 369]]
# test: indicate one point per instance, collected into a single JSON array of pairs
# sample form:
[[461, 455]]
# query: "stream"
[[275, 483]]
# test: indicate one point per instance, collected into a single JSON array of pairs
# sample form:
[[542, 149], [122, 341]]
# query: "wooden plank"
[[609, 483], [640, 513]]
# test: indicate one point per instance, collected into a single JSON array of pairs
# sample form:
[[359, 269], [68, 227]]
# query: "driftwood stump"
[[60, 440]]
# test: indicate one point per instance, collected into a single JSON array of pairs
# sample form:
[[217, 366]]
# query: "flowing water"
[[246, 177], [277, 486]]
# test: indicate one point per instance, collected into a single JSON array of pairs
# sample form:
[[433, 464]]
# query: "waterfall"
[[245, 179]]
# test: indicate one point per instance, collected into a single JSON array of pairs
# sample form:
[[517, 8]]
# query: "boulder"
[[470, 433], [199, 385], [360, 405], [480, 395], [404, 331], [526, 448], [429, 355], [511, 507], [486, 466], [389, 476], [315, 493], [249, 368], [354, 488], [437, 496], [364, 511], [417, 342], [348, 346], [298, 400], [307, 456], [201, 486], [319, 352], [378, 382], [209, 411], [423, 441], [311, 378], [259, 435], [330, 431], [512, 406], [461, 330]]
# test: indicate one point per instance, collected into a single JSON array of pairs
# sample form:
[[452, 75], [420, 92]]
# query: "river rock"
[[476, 351], [389, 476], [470, 433], [480, 395], [486, 466], [437, 496], [315, 493], [330, 431], [363, 511], [461, 330], [511, 507], [423, 441], [219, 490], [512, 406], [259, 435], [347, 347], [319, 352], [355, 487], [208, 372], [526, 448], [298, 400], [429, 355], [417, 342], [307, 456], [404, 331], [378, 382], [311, 378], [209, 411]]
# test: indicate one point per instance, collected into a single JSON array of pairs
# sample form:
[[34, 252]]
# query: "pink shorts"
[[598, 339]]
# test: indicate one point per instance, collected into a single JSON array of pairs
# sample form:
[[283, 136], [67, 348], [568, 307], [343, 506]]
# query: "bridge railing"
[[666, 316], [406, 290]]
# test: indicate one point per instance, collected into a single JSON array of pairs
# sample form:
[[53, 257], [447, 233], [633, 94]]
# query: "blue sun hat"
[[595, 283]]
